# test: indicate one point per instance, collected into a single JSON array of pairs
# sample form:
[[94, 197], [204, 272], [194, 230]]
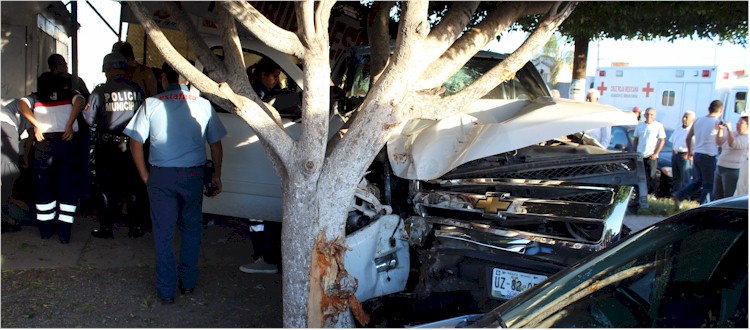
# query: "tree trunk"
[[314, 216], [578, 86]]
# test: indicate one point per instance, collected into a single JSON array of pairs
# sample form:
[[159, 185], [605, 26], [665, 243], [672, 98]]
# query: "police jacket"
[[113, 103]]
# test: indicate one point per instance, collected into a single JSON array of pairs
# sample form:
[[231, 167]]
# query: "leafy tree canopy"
[[725, 21]]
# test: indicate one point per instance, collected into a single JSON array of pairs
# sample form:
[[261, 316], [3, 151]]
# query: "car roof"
[[735, 202]]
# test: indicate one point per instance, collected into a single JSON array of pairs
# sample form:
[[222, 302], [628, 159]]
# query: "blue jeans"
[[704, 167], [176, 196], [681, 169]]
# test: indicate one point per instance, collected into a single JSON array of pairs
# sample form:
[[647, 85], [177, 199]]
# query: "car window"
[[475, 69], [675, 275], [619, 136]]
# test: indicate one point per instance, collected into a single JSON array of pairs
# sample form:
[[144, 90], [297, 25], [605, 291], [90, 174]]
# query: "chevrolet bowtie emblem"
[[492, 205]]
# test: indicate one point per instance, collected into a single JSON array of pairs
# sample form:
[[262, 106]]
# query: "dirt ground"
[[124, 298], [94, 283]]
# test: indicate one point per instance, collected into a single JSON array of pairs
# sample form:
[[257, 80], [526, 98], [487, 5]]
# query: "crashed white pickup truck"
[[485, 203]]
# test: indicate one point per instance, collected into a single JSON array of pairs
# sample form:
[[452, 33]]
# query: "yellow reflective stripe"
[[66, 218], [45, 216], [67, 208], [46, 207]]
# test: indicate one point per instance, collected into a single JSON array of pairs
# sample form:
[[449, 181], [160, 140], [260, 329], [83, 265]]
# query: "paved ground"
[[109, 283]]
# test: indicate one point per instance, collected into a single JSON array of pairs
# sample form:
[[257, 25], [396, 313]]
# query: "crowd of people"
[[148, 139], [708, 156], [149, 160]]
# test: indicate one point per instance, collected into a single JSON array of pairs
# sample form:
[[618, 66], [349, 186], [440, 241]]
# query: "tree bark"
[[578, 85]]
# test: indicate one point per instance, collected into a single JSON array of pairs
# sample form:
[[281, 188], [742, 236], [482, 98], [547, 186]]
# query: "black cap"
[[114, 61]]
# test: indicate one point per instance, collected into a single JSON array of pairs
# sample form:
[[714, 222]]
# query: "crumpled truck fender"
[[378, 257]]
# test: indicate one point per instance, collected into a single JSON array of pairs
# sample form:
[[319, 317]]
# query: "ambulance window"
[[740, 102], [667, 98]]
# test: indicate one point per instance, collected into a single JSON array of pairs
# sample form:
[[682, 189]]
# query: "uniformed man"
[[110, 108], [178, 125], [53, 116]]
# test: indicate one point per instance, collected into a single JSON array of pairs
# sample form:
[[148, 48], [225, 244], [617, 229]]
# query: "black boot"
[[63, 231], [46, 229], [103, 232]]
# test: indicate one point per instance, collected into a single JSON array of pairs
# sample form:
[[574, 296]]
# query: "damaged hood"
[[427, 149]]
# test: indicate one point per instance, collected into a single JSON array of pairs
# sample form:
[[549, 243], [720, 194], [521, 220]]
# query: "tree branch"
[[412, 32], [214, 68], [451, 26], [221, 93], [470, 43], [173, 57], [378, 21], [234, 60], [277, 38], [305, 11], [322, 16], [504, 70]]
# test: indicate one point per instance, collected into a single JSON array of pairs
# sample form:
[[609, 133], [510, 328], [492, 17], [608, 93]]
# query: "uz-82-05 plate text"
[[507, 284]]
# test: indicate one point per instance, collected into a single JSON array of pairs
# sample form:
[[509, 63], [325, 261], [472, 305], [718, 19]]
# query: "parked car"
[[687, 271], [510, 183], [622, 139]]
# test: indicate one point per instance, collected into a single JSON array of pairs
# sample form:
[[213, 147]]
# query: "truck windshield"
[[522, 86]]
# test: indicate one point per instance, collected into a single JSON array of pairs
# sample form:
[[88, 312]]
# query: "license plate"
[[507, 284]]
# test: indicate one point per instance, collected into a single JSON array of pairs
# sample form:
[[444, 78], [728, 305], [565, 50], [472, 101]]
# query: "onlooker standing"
[[603, 134], [53, 116], [637, 112], [682, 165], [82, 137], [178, 125], [264, 77], [137, 72], [58, 65], [733, 152], [649, 139], [110, 108], [703, 151]]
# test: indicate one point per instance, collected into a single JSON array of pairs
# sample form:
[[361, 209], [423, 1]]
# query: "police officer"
[[53, 116], [110, 108]]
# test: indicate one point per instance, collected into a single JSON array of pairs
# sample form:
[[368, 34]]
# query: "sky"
[[96, 39]]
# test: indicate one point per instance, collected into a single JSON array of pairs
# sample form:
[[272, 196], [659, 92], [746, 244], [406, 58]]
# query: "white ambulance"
[[673, 90]]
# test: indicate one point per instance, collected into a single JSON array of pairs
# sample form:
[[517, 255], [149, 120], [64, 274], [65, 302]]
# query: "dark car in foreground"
[[687, 271]]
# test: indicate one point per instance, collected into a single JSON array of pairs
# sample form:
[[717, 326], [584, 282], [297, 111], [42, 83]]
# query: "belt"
[[109, 137], [680, 152], [53, 136]]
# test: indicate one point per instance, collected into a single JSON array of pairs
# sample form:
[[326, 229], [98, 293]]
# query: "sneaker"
[[677, 201], [259, 266]]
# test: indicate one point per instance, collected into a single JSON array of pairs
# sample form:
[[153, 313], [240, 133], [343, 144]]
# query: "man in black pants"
[[110, 108]]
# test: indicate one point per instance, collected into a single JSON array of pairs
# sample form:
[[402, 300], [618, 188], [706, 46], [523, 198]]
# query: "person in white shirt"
[[649, 137], [681, 162], [702, 150], [733, 154]]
